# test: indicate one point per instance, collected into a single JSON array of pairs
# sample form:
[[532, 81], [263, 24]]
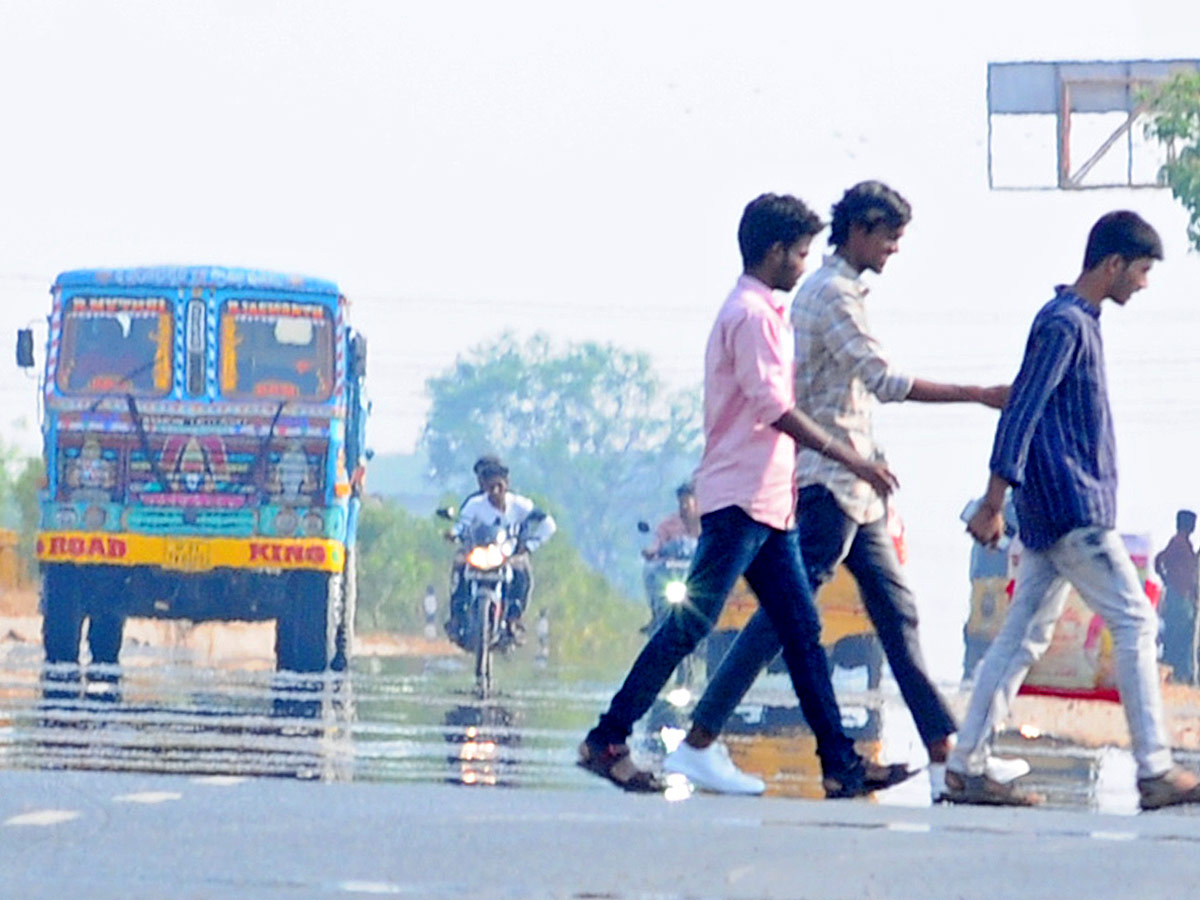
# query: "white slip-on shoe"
[[1004, 770], [712, 770]]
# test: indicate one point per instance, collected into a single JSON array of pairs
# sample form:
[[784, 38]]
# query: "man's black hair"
[[770, 219], [1185, 520], [1124, 233], [869, 204], [488, 459], [492, 470], [687, 489]]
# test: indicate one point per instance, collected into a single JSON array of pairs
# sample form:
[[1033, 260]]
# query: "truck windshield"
[[116, 345], [276, 349]]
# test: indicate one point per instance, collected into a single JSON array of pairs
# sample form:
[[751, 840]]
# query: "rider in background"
[[497, 505], [455, 623], [673, 545], [684, 523]]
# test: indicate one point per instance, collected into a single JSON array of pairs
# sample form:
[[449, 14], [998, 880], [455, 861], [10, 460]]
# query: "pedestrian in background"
[[1177, 566]]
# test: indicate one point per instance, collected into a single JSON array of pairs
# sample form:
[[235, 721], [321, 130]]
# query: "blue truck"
[[204, 447]]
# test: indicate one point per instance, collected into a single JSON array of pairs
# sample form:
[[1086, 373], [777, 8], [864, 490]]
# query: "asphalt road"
[[128, 836]]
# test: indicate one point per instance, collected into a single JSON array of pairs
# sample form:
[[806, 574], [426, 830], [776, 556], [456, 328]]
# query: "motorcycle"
[[488, 573], [665, 578]]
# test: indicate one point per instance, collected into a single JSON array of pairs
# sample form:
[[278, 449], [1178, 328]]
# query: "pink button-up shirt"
[[748, 370]]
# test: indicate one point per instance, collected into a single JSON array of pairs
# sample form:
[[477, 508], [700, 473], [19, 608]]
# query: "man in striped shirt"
[[1054, 445]]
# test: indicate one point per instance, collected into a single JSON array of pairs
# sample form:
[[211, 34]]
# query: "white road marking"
[[1114, 835], [147, 797], [369, 887], [219, 780], [44, 817], [912, 827]]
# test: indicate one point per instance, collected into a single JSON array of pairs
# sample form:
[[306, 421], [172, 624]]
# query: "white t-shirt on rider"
[[478, 510]]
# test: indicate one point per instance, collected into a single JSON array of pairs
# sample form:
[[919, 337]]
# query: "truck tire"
[[306, 629], [856, 650], [62, 613], [105, 632], [344, 640]]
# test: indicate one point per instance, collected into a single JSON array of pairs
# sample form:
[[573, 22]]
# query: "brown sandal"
[[980, 790], [614, 763]]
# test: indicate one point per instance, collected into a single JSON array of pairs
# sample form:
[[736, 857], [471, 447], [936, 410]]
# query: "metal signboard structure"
[[1072, 111]]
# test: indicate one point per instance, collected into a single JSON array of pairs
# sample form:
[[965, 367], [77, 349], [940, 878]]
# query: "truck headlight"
[[93, 518], [314, 524], [286, 521]]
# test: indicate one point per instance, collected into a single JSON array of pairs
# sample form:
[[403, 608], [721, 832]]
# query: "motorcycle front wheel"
[[487, 606]]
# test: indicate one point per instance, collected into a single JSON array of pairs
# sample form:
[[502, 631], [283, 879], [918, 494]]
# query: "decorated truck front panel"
[[203, 429]]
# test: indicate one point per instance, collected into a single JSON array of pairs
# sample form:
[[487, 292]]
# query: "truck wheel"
[[62, 613], [306, 629], [857, 650], [104, 638], [344, 640]]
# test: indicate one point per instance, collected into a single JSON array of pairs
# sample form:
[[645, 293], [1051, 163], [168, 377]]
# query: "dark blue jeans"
[[829, 537], [731, 545]]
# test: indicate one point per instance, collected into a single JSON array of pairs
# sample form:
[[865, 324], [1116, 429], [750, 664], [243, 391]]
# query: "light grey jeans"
[[1096, 562]]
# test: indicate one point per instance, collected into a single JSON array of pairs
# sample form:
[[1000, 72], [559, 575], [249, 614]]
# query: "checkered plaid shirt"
[[840, 372]]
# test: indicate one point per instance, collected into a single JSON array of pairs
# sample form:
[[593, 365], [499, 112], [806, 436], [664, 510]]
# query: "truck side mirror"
[[25, 348], [358, 355]]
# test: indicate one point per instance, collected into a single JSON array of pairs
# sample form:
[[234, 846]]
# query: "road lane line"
[[148, 797], [44, 817], [910, 827], [368, 887], [219, 780]]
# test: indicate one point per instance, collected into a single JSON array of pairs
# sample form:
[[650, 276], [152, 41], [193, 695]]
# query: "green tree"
[[587, 429], [399, 555], [1174, 122], [20, 480]]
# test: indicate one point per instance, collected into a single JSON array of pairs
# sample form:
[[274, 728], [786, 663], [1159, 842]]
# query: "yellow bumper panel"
[[191, 554]]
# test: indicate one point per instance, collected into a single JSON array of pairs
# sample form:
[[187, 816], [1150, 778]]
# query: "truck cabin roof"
[[216, 277]]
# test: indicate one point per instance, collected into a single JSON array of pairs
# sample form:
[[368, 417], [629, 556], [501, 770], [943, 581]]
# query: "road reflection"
[[415, 719]]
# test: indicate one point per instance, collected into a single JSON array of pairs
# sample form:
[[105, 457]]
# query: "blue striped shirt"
[[1055, 440]]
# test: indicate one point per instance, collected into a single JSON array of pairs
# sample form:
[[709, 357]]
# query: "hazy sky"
[[465, 168]]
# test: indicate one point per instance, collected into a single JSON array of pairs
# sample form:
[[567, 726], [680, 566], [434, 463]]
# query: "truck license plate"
[[187, 556]]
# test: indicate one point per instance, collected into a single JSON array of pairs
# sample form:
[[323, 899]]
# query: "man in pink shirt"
[[745, 486]]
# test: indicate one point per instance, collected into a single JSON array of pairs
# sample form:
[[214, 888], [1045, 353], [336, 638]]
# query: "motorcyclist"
[[497, 505], [674, 539], [684, 523], [456, 622]]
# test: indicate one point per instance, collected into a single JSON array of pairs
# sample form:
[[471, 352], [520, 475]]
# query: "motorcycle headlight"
[[489, 556], [675, 592]]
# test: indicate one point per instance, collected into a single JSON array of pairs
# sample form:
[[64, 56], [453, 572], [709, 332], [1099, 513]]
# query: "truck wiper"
[[155, 468], [264, 449]]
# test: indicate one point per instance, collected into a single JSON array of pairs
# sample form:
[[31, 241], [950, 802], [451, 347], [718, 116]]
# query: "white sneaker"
[[1005, 770], [711, 769]]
